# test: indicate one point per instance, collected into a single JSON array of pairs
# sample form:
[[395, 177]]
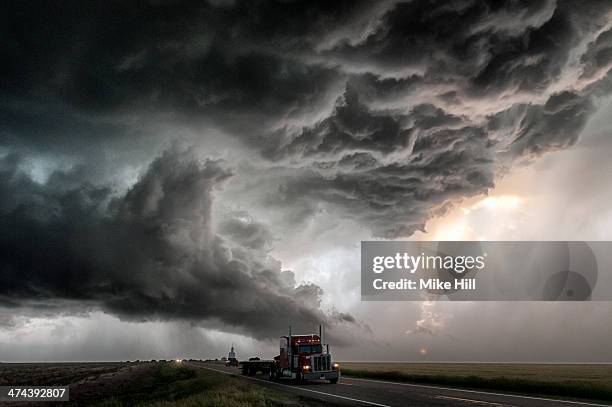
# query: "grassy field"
[[148, 384], [568, 380], [185, 386]]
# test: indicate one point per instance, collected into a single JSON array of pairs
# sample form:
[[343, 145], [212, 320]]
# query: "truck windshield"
[[310, 348]]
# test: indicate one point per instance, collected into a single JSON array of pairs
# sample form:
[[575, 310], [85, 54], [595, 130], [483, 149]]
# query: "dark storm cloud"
[[189, 58], [149, 254], [553, 126], [494, 85], [381, 112], [598, 56], [438, 162], [392, 171]]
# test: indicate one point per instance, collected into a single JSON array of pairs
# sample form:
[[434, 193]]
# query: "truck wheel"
[[333, 381]]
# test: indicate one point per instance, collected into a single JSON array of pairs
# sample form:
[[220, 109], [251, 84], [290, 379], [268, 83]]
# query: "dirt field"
[[36, 374], [88, 382]]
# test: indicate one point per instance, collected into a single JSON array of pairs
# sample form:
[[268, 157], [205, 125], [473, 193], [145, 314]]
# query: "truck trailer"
[[301, 357]]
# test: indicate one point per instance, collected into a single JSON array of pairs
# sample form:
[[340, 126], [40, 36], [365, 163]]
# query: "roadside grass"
[[540, 385], [184, 386]]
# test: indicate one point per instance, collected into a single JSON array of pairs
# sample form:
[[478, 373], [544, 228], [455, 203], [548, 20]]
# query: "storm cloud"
[[149, 254], [383, 113]]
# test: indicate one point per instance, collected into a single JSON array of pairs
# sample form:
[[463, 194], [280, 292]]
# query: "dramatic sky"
[[177, 176]]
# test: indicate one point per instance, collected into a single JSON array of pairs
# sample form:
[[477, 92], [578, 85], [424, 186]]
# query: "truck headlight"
[[306, 367], [336, 365]]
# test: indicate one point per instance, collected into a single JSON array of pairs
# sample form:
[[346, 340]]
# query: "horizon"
[[176, 177]]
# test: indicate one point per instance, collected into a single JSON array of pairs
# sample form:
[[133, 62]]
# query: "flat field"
[[145, 384], [39, 374], [593, 381]]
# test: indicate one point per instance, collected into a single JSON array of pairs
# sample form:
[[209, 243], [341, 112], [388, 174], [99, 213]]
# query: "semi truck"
[[301, 357]]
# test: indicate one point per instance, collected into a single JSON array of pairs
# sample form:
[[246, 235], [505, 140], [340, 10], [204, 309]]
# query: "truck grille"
[[321, 363]]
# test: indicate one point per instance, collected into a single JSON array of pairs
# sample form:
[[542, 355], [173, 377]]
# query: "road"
[[364, 392]]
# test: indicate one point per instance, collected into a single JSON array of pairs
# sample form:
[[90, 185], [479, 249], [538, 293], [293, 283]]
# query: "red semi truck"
[[301, 357]]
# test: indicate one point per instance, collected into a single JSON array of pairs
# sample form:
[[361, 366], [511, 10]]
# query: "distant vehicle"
[[301, 357], [231, 358]]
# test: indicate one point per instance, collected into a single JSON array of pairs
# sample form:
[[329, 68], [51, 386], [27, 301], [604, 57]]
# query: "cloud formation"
[[384, 113], [151, 253], [453, 96]]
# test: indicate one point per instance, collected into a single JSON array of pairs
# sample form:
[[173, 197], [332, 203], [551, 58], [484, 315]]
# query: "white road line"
[[578, 403], [371, 403], [469, 400]]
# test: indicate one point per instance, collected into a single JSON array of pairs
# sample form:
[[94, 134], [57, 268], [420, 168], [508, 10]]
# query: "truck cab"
[[303, 357]]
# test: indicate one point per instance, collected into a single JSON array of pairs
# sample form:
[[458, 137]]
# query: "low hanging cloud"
[[384, 113], [151, 253]]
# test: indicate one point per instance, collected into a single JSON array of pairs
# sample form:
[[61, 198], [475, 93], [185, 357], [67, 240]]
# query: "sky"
[[176, 177]]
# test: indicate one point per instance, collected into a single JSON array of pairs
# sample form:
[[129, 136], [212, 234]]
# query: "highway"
[[364, 392]]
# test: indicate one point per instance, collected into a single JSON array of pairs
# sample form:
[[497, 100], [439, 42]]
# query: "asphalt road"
[[365, 392]]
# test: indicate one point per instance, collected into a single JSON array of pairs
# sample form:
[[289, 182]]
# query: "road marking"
[[578, 403], [371, 403], [469, 400]]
